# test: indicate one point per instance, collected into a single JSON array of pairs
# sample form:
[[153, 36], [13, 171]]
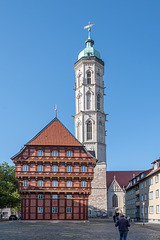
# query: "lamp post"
[[143, 204]]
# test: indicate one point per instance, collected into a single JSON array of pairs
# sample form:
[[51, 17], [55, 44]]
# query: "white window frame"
[[157, 193], [40, 183], [25, 168], [54, 196], [69, 168], [68, 209], [40, 153], [39, 209], [54, 183], [83, 169], [54, 209], [69, 196], [40, 196], [25, 183], [151, 195], [157, 178], [40, 168], [54, 168], [69, 153], [157, 209], [151, 210], [83, 184], [69, 183], [151, 181], [54, 153]]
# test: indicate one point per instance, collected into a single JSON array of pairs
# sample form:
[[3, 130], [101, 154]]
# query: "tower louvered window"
[[89, 78], [89, 130]]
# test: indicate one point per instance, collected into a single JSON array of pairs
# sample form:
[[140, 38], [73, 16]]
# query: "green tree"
[[9, 196]]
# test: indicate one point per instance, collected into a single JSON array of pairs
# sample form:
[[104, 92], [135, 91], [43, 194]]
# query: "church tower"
[[90, 119]]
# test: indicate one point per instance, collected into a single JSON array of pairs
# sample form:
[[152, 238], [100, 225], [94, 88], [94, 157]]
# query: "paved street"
[[92, 230]]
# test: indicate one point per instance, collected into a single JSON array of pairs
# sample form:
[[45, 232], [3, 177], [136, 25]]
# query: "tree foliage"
[[9, 196]]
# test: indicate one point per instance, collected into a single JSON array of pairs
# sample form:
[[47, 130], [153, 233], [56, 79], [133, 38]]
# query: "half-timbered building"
[[54, 173]]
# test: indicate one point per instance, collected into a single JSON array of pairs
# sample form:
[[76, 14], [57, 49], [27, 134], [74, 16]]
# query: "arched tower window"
[[89, 78], [88, 100], [89, 130], [115, 201], [98, 102]]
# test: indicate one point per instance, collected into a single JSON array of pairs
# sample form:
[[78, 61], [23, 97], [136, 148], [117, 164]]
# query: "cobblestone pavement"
[[92, 230]]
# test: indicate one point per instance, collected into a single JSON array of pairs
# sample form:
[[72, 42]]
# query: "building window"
[[89, 130], [69, 183], [69, 168], [54, 153], [83, 184], [142, 175], [151, 195], [68, 210], [89, 78], [40, 153], [83, 169], [40, 209], [25, 183], [157, 193], [157, 178], [54, 183], [40, 196], [145, 210], [55, 196], [40, 183], [69, 196], [54, 168], [25, 167], [88, 100], [145, 184], [145, 197], [98, 102], [157, 209], [134, 181], [151, 209], [69, 153], [114, 201], [141, 185], [151, 181], [54, 209], [40, 168], [141, 197]]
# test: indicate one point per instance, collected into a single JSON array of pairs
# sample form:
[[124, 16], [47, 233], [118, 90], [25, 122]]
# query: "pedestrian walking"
[[123, 225]]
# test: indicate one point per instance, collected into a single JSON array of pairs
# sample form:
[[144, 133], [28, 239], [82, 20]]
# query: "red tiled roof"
[[122, 177], [54, 133]]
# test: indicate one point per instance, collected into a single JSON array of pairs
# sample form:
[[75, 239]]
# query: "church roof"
[[122, 177], [89, 50], [55, 133]]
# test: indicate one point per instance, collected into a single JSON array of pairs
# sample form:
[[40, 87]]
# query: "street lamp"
[[143, 204]]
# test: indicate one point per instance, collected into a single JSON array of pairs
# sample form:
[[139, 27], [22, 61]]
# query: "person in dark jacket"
[[123, 225]]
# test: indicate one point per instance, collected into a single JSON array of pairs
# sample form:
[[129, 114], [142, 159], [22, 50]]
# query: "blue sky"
[[39, 44]]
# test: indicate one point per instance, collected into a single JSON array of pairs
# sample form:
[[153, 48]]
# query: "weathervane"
[[89, 26], [55, 108]]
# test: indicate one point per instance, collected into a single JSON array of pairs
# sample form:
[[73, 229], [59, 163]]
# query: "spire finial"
[[55, 108], [89, 29]]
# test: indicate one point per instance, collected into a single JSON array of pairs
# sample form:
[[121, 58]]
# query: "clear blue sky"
[[39, 44]]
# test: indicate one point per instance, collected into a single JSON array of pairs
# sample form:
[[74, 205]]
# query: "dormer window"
[[155, 165], [89, 78], [142, 175], [40, 153]]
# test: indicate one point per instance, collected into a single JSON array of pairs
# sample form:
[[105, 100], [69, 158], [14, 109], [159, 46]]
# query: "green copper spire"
[[89, 50]]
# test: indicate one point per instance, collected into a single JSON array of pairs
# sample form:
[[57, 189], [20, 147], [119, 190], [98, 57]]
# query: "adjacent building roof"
[[55, 133], [122, 177]]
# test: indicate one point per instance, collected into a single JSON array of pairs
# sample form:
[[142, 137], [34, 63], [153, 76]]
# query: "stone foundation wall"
[[97, 204]]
